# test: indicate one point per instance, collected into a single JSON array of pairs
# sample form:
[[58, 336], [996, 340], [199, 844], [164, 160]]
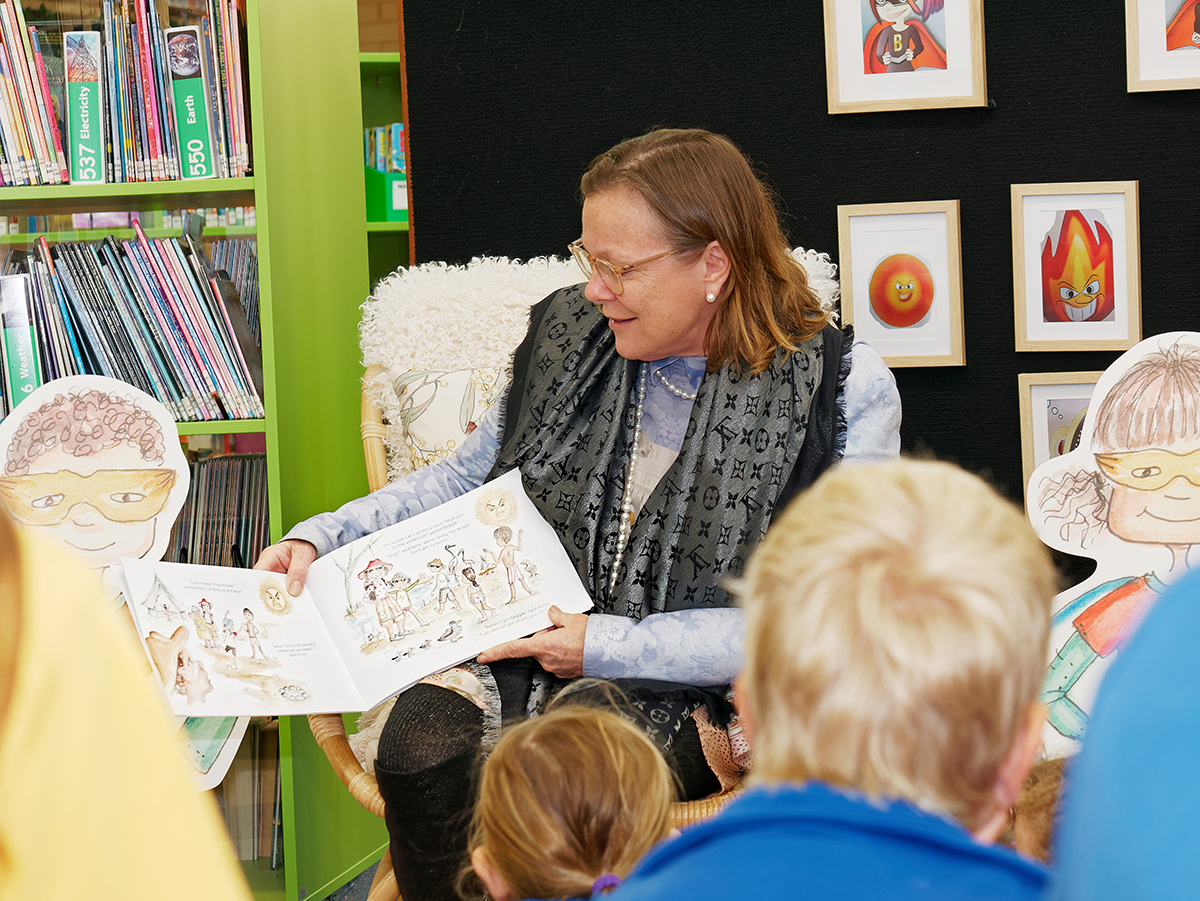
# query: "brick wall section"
[[378, 26]]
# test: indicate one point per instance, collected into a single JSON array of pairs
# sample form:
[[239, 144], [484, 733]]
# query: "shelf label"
[[190, 100], [85, 106]]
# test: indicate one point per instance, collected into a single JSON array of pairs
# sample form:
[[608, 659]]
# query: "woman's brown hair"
[[703, 189], [568, 797]]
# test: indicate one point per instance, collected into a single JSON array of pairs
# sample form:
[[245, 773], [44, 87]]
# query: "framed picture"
[[1162, 45], [1076, 266], [904, 54], [901, 266], [1053, 406]]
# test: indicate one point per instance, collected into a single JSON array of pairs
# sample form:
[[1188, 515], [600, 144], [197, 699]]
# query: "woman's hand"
[[292, 557], [558, 649]]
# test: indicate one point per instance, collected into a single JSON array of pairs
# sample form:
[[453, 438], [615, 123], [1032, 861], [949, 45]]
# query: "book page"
[[233, 642], [430, 592]]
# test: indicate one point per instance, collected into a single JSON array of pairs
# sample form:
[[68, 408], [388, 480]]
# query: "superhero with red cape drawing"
[[899, 41], [1184, 30]]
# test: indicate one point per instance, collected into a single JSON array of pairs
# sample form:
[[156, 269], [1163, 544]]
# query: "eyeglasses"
[[610, 273], [1150, 470]]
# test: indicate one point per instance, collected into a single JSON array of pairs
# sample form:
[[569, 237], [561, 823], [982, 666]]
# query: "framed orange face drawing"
[[901, 280]]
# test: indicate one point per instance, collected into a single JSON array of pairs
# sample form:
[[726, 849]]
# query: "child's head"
[[564, 799], [503, 534], [896, 637]]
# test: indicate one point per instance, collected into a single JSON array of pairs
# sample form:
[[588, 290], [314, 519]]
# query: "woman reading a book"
[[660, 415]]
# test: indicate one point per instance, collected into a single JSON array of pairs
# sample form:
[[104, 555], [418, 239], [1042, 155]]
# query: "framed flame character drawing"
[[1162, 44], [1076, 270], [901, 272], [904, 54], [1128, 495]]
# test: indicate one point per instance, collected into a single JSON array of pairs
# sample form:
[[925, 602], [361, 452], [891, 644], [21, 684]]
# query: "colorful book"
[[189, 95], [52, 111], [22, 369], [85, 107]]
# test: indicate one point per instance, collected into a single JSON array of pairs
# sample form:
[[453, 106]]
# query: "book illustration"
[[420, 600], [232, 642], [223, 639]]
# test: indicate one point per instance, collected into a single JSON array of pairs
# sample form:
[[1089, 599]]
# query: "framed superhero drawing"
[[904, 54], [901, 266], [1076, 266], [1053, 406], [1162, 44]]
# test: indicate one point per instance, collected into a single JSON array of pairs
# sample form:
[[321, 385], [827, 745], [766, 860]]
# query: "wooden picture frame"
[[947, 70], [1059, 231], [1063, 398], [901, 280], [1161, 52]]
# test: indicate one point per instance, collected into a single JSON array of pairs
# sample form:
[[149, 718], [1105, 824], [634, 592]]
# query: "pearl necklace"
[[626, 525], [676, 391]]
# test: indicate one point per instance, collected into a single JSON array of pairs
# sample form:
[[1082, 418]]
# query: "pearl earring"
[[710, 297]]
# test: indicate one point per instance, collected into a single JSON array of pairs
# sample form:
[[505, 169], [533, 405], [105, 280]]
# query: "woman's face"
[[662, 311]]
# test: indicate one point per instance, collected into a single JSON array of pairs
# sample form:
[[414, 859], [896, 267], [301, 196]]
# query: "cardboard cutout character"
[[1129, 496]]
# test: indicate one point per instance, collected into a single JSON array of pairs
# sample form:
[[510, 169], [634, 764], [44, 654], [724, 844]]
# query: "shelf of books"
[[182, 206], [385, 163]]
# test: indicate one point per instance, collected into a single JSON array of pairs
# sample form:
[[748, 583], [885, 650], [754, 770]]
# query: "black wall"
[[509, 101]]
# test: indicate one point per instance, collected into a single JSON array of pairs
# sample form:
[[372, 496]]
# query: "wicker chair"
[[385, 426]]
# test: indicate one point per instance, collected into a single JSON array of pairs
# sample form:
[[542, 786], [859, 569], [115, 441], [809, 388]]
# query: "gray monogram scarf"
[[569, 426]]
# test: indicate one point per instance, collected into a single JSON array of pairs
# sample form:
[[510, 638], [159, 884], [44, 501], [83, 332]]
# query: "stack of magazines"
[[150, 312], [224, 520]]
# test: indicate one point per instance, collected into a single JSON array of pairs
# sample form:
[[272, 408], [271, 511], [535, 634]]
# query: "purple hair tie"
[[607, 881]]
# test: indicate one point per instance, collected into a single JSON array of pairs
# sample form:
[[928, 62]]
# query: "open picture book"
[[375, 617]]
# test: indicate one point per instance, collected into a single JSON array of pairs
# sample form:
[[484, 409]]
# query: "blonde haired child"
[[897, 618], [568, 803]]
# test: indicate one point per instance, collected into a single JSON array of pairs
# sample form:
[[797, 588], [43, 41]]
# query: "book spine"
[[189, 96], [141, 330], [158, 47], [22, 371], [136, 110], [13, 166], [239, 84], [45, 111], [116, 131], [196, 400], [45, 340], [149, 93], [160, 343], [59, 154], [189, 328], [42, 251], [24, 85], [215, 116], [85, 107], [29, 167], [221, 46], [211, 330]]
